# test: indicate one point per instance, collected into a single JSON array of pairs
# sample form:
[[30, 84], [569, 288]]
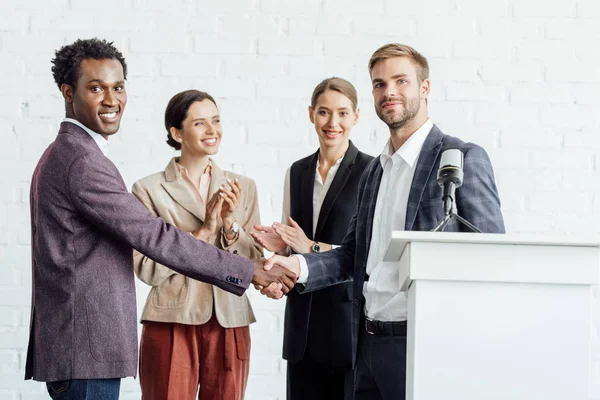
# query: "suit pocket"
[[111, 324], [242, 342], [57, 387], [173, 293]]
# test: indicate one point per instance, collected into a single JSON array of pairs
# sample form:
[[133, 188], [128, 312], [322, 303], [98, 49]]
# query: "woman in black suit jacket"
[[320, 198]]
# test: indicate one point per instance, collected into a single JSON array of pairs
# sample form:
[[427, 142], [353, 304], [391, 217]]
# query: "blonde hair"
[[401, 50], [336, 84]]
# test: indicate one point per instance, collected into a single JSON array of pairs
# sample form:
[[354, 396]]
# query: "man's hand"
[[275, 291], [280, 277], [213, 210], [268, 238]]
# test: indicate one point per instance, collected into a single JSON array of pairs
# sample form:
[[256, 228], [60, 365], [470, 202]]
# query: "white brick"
[[47, 106], [305, 7], [453, 70], [319, 68], [333, 7], [579, 73], [358, 47], [546, 50], [291, 46], [419, 8], [164, 42], [403, 28], [529, 137], [493, 113], [511, 72], [574, 117], [577, 28], [10, 22], [541, 93], [9, 317], [486, 48], [142, 65], [182, 6], [571, 160], [585, 94], [76, 21], [273, 134], [541, 8], [459, 28], [475, 92], [56, 6], [12, 66], [510, 28], [213, 44], [588, 9], [325, 25], [239, 66], [499, 8], [255, 24], [188, 65], [284, 88], [10, 106], [32, 43], [582, 139]]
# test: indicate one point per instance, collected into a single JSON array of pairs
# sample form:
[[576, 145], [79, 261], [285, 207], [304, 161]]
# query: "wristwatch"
[[315, 247], [235, 227]]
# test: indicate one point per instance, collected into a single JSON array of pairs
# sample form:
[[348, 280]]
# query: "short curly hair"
[[67, 59]]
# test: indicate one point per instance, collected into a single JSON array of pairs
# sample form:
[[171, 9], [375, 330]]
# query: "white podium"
[[504, 317]]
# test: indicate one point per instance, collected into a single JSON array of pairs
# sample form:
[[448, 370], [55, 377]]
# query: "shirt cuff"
[[335, 246], [303, 278]]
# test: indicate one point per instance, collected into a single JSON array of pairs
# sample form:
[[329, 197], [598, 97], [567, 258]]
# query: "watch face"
[[235, 227], [316, 248]]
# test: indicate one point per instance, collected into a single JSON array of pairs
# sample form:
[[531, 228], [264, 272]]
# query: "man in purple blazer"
[[85, 225]]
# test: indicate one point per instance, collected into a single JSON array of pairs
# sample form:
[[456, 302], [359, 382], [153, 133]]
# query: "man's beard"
[[396, 121]]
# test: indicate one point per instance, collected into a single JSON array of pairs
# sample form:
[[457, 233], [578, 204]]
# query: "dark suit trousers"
[[380, 367], [309, 379]]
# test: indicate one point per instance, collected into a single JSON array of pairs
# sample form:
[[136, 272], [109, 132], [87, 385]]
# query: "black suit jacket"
[[477, 201], [321, 322]]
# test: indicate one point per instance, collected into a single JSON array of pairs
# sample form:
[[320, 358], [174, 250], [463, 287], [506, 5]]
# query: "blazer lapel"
[[180, 192], [341, 177], [429, 153], [307, 186]]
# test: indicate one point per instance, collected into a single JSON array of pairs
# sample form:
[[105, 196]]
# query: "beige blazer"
[[177, 298]]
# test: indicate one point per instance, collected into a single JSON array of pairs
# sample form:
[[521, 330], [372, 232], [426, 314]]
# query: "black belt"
[[384, 328]]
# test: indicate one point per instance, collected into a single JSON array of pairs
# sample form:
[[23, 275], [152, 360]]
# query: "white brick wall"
[[516, 76]]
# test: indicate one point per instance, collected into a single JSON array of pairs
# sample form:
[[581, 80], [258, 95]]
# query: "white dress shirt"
[[98, 138], [384, 300], [320, 190]]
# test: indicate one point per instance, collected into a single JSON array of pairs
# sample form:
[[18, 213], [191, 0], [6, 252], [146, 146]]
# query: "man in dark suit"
[[85, 225], [398, 190]]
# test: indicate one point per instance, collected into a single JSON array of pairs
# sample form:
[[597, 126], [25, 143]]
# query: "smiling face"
[[99, 99], [334, 117], [201, 131], [399, 96]]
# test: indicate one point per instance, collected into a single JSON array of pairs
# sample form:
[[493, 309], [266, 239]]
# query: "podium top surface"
[[400, 239]]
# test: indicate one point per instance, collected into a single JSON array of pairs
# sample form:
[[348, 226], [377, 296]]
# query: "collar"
[[98, 138], [410, 150]]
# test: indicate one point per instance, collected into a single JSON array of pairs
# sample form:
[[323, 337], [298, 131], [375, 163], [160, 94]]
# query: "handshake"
[[276, 276]]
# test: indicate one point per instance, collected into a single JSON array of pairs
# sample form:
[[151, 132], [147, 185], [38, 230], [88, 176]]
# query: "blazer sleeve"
[[245, 244], [146, 269], [99, 194], [477, 199]]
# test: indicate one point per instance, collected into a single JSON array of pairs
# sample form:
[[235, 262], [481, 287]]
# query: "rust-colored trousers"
[[176, 358]]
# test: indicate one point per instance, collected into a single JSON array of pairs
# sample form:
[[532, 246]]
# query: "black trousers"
[[380, 367], [309, 379]]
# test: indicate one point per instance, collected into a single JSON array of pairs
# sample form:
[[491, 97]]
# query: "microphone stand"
[[450, 210]]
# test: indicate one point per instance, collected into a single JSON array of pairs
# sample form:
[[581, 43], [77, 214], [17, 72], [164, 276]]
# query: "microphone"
[[449, 177]]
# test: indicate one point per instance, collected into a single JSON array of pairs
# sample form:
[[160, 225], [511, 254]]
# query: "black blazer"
[[321, 321]]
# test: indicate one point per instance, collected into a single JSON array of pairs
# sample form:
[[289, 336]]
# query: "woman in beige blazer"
[[196, 334]]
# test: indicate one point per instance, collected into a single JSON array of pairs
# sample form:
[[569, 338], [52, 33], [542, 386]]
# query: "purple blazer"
[[84, 226]]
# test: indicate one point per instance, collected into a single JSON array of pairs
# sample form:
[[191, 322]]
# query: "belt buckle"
[[367, 327]]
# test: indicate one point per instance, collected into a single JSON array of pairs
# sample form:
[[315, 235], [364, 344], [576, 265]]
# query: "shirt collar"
[[409, 151], [98, 138], [337, 163]]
